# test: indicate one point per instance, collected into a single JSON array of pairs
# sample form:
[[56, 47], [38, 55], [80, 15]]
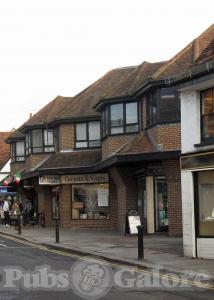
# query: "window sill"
[[87, 148], [204, 143]]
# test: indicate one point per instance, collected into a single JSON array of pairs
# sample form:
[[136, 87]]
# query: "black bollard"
[[140, 242], [19, 224], [57, 229]]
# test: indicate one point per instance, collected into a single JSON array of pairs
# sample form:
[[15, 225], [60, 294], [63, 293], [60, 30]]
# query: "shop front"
[[159, 204], [80, 200], [198, 204], [153, 198], [89, 196]]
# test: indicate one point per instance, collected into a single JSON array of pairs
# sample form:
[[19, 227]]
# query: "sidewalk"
[[160, 250]]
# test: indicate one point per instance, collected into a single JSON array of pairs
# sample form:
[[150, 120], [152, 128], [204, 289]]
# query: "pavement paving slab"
[[159, 250]]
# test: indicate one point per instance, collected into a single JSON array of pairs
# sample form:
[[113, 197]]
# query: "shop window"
[[207, 114], [205, 203], [88, 134], [161, 204], [18, 151], [90, 201], [120, 118], [39, 141]]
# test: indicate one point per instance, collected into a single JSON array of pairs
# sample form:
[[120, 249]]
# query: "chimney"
[[30, 115]]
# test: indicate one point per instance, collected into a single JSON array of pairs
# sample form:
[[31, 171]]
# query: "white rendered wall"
[[190, 120], [205, 248], [187, 188]]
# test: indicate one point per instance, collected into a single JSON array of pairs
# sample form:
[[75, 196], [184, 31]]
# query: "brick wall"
[[169, 135], [173, 175], [126, 190], [66, 137], [112, 144]]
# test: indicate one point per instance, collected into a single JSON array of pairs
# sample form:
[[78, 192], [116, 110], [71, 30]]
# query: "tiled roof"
[[140, 144], [121, 82], [207, 54], [197, 51], [49, 112], [4, 148], [76, 159], [15, 135]]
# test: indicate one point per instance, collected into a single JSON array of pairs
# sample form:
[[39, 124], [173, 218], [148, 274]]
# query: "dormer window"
[[121, 118], [87, 134], [18, 151], [39, 141]]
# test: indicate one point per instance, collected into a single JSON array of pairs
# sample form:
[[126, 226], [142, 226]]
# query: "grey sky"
[[58, 47]]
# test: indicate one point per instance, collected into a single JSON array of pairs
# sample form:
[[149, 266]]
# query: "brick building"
[[112, 148]]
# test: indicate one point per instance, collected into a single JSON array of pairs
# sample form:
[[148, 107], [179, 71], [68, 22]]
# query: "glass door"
[[161, 204]]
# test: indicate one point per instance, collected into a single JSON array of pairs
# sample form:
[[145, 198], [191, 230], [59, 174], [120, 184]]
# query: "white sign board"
[[103, 195], [49, 180], [134, 221]]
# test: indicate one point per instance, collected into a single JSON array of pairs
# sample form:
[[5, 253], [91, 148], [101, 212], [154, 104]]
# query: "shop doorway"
[[161, 204]]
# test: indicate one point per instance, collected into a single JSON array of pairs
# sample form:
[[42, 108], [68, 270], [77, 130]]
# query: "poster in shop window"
[[103, 195]]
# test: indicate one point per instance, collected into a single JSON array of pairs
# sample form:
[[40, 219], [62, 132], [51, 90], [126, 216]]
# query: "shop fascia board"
[[127, 159]]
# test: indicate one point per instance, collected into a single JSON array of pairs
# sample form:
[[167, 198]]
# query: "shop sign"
[[49, 180], [84, 178], [197, 161]]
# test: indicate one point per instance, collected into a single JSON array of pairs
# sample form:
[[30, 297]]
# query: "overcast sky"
[[58, 47]]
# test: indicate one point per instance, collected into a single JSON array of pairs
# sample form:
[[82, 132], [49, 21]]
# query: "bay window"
[[39, 141], [151, 105], [120, 118], [18, 151], [207, 114], [87, 134]]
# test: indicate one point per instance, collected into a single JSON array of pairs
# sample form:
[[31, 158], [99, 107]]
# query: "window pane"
[[94, 143], [37, 138], [94, 130], [49, 149], [90, 201], [81, 131], [206, 203], [116, 115], [48, 137], [81, 145], [115, 130], [132, 128], [20, 149], [207, 101], [208, 126], [131, 113]]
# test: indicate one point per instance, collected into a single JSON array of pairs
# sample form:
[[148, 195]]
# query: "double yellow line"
[[113, 265]]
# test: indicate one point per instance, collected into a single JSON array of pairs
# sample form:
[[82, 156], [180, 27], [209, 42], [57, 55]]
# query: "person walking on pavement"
[[6, 208]]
